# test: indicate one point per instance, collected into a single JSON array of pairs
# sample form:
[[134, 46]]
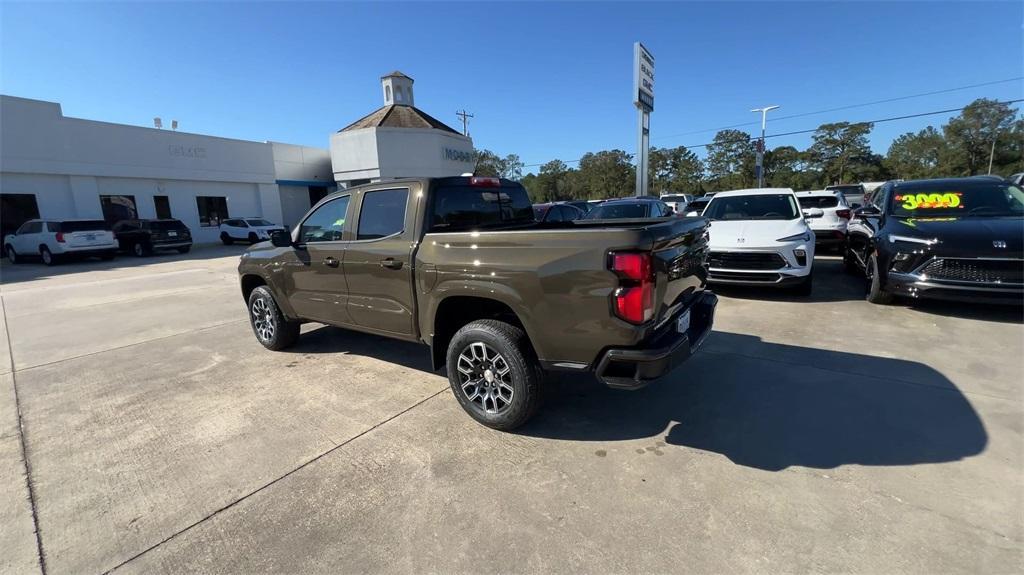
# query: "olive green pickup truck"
[[460, 265]]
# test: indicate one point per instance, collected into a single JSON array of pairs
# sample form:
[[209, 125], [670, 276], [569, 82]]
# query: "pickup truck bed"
[[495, 295]]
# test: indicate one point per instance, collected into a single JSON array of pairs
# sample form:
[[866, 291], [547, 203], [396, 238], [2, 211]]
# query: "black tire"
[[487, 400], [876, 291], [252, 238], [274, 331], [12, 256], [805, 287], [141, 249], [224, 237], [184, 250], [47, 257]]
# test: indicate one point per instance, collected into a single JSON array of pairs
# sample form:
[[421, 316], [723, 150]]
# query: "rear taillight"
[[485, 182], [60, 237], [634, 298], [845, 214]]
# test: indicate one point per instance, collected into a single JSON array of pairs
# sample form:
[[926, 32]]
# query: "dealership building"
[[56, 167]]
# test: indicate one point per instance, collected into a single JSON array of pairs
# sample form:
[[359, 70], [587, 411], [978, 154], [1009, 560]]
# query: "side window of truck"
[[325, 224], [382, 214]]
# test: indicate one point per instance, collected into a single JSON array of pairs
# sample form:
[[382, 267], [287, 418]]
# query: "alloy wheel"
[[485, 378], [263, 319]]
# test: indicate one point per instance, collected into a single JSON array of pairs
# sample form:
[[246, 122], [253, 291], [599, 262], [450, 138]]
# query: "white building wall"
[[67, 163], [354, 155], [56, 189], [413, 152]]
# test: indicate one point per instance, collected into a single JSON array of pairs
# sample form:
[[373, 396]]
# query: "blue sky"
[[544, 80]]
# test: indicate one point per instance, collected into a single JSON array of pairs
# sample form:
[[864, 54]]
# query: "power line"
[[811, 130], [848, 107]]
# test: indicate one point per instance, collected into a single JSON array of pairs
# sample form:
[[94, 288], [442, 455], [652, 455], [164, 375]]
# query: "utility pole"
[[464, 116], [760, 145], [992, 153]]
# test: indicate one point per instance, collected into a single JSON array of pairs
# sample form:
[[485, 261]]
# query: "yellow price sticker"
[[930, 201]]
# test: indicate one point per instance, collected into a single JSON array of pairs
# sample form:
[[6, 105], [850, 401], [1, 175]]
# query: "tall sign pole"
[[643, 99]]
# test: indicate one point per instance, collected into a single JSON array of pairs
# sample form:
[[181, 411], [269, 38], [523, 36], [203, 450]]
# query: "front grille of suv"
[[979, 271], [746, 260]]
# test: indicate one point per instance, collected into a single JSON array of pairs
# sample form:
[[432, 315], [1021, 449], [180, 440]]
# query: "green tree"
[[511, 167], [675, 170], [914, 156], [489, 164], [552, 182], [841, 149], [605, 174], [730, 161], [969, 138]]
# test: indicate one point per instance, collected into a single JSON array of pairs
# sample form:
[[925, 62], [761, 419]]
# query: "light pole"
[[760, 148]]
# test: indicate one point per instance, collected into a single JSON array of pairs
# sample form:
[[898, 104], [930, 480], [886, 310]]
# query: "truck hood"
[[734, 234]]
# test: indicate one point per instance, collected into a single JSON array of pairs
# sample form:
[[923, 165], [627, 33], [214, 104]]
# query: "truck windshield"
[[753, 207], [958, 199], [465, 207]]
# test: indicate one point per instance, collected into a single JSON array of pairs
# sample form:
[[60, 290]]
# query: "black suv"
[[956, 239], [141, 237]]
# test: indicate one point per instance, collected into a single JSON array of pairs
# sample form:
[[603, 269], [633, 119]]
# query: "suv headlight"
[[893, 238], [805, 237]]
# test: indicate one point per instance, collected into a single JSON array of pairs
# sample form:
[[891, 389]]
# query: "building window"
[[117, 208], [16, 209], [163, 207], [382, 214], [212, 210], [387, 94], [398, 94]]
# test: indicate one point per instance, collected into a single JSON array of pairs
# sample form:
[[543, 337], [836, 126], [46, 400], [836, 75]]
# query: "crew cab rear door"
[[378, 261]]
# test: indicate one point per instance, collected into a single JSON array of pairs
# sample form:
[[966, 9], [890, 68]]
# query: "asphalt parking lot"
[[807, 436]]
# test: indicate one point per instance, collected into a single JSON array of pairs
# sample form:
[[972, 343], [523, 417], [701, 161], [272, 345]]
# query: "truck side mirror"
[[281, 239], [867, 212]]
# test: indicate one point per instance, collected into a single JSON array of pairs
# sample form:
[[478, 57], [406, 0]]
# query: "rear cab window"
[[458, 206]]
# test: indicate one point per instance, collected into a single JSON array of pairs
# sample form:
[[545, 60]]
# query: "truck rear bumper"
[[634, 368]]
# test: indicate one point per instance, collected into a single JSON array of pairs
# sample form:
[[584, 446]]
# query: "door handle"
[[330, 262], [391, 263]]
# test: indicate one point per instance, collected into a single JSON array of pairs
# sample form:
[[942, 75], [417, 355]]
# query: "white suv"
[[52, 240], [830, 227], [760, 238], [250, 230], [677, 202]]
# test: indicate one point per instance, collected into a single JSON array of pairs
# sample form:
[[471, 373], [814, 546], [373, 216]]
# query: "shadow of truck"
[[771, 406]]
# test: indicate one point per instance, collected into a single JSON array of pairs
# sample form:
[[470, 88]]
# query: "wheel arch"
[[455, 311]]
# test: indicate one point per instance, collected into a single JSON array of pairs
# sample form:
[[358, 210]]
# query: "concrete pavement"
[[821, 435]]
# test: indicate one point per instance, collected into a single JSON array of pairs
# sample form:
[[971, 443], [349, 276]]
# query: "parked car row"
[[52, 241], [951, 239]]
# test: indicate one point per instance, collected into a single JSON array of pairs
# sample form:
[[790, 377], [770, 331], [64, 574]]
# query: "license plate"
[[172, 234], [90, 237], [683, 323]]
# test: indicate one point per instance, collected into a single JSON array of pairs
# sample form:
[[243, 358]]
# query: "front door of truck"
[[316, 282], [378, 268]]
